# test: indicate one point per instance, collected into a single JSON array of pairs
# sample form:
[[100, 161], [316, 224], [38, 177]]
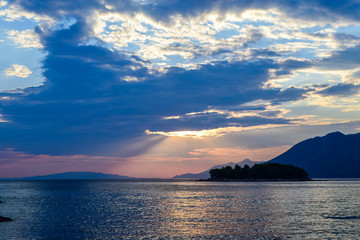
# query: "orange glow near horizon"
[[169, 157], [176, 155]]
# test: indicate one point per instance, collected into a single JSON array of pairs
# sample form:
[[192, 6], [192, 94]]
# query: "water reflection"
[[180, 210], [222, 209]]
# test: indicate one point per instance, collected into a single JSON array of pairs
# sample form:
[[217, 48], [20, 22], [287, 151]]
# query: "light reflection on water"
[[180, 210]]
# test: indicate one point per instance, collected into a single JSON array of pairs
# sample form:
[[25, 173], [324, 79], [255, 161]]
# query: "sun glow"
[[217, 132], [186, 134]]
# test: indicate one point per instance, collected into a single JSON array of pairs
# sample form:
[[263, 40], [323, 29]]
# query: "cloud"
[[303, 9], [289, 65], [348, 9], [188, 34], [162, 41], [11, 11], [346, 59], [24, 39], [3, 3], [1, 119], [342, 89], [87, 102], [104, 85], [212, 120], [309, 10], [218, 132], [18, 71]]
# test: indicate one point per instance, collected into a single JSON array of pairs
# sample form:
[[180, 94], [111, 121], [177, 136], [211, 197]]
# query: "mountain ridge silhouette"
[[334, 155], [205, 174], [77, 176]]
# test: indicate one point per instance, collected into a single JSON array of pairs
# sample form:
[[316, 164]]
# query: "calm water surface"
[[180, 210]]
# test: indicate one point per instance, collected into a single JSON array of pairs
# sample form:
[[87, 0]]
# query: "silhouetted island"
[[206, 174], [264, 172]]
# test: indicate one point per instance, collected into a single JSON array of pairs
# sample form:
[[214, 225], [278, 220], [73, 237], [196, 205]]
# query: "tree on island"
[[260, 171]]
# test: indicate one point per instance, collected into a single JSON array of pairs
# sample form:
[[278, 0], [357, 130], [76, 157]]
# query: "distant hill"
[[77, 176], [332, 156], [206, 174]]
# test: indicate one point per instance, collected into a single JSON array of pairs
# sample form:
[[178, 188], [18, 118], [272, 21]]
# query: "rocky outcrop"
[[5, 219]]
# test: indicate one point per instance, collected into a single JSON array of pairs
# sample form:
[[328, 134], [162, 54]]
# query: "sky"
[[156, 88]]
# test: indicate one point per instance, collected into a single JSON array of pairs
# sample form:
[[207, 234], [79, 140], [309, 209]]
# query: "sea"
[[180, 209]]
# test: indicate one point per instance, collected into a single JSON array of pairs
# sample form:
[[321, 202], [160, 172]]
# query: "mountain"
[[206, 174], [77, 176], [332, 156]]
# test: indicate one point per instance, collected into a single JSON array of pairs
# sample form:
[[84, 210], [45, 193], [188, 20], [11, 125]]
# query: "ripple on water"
[[180, 210]]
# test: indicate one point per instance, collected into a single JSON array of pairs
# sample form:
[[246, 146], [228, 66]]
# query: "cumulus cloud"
[[11, 11], [200, 38], [3, 3], [178, 34], [24, 39], [217, 35], [18, 71], [318, 10]]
